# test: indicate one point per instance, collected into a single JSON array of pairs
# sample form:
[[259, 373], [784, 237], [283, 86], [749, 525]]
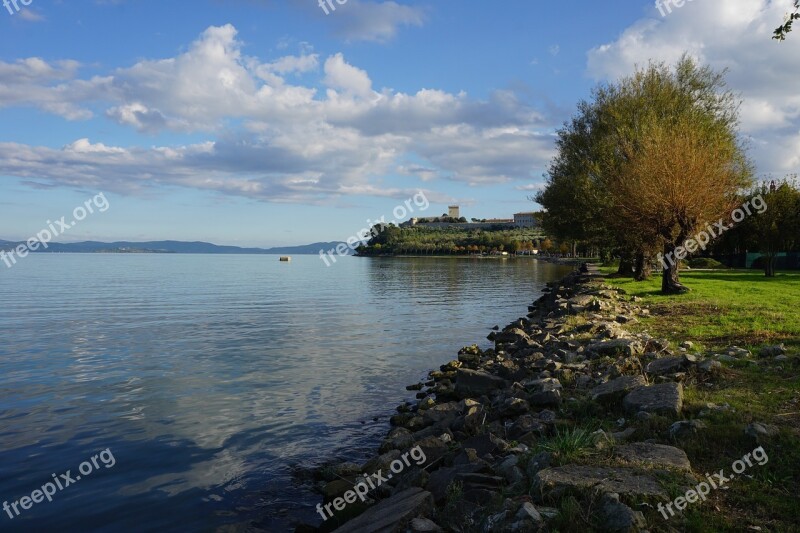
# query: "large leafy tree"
[[778, 226], [656, 156]]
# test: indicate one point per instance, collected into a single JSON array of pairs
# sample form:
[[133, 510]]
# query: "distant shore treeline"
[[392, 240], [169, 247]]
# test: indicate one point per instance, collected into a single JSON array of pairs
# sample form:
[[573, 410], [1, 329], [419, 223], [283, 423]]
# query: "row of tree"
[[392, 240], [646, 164]]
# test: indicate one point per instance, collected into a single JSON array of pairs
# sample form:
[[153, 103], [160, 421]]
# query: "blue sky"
[[261, 123]]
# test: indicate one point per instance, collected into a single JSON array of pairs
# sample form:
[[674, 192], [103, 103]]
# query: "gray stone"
[[773, 351], [393, 514], [666, 365], [550, 398], [709, 366], [686, 428], [423, 525], [616, 388], [616, 347], [476, 383], [654, 455], [665, 398], [511, 336], [381, 462], [758, 430], [553, 482], [735, 351], [616, 517], [528, 512]]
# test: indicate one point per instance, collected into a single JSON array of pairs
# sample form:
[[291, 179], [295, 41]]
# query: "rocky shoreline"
[[570, 423]]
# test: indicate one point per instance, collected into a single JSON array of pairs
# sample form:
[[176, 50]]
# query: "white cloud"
[[269, 137], [733, 35]]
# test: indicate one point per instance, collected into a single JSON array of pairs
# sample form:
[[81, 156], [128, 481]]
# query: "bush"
[[706, 262]]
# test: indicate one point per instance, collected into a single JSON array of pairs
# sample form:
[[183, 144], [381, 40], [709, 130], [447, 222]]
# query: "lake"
[[210, 379]]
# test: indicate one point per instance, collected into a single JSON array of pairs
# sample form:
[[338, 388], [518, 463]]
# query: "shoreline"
[[504, 431]]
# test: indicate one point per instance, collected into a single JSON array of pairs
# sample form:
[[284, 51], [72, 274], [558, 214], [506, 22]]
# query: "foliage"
[[420, 240], [647, 163], [785, 28]]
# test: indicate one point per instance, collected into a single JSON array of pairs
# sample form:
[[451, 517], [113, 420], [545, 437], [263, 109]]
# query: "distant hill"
[[172, 247]]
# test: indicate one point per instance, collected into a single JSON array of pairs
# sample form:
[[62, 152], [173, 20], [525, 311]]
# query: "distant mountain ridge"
[[172, 247]]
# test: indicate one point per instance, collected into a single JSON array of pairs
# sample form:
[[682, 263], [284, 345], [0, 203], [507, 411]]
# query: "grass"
[[746, 309], [724, 308]]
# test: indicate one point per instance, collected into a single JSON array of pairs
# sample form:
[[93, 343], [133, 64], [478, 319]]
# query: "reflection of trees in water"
[[454, 284]]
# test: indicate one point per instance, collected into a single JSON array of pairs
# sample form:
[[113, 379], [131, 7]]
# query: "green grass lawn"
[[745, 309], [724, 307]]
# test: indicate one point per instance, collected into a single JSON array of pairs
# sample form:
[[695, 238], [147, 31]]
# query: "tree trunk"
[[625, 266], [769, 265], [670, 277], [644, 269]]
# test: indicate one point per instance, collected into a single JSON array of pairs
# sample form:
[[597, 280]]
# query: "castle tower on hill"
[[453, 211]]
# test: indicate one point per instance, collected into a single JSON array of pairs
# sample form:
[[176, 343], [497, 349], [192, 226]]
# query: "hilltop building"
[[525, 220], [453, 211]]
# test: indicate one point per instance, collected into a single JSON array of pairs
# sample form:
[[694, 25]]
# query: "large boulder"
[[393, 514], [665, 398], [476, 383], [617, 388], [653, 455], [585, 479], [615, 348]]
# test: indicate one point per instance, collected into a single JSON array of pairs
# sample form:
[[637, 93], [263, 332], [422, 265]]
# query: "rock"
[[554, 482], [622, 436], [666, 365], [616, 388], [393, 514], [423, 525], [654, 455], [528, 512], [476, 383], [616, 517], [773, 351], [538, 462], [665, 398], [486, 444], [344, 470], [510, 336], [709, 366], [686, 428], [442, 412], [381, 462], [550, 398], [617, 347], [781, 358], [335, 488], [441, 479], [688, 345], [735, 351], [758, 430]]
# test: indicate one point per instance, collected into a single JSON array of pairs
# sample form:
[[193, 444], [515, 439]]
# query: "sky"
[[271, 123]]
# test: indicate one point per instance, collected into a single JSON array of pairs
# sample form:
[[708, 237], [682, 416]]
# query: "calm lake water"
[[210, 378]]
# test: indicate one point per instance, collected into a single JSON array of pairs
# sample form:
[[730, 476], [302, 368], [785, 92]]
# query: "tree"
[[778, 226], [785, 28], [649, 161]]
